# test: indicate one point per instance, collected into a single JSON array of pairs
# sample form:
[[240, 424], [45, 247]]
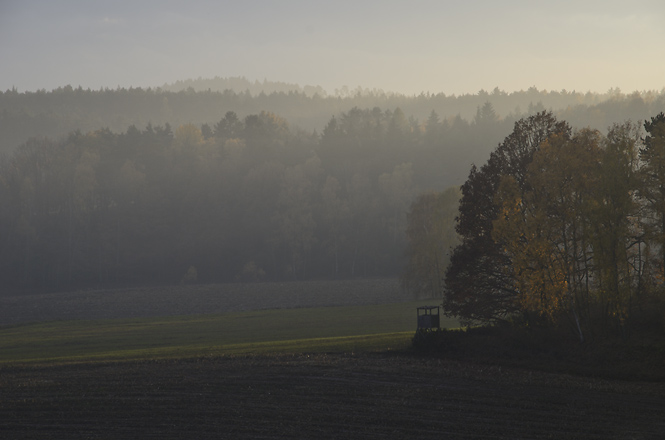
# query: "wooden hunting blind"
[[427, 319]]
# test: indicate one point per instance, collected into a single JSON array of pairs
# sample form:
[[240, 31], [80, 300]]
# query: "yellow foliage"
[[187, 136], [540, 228]]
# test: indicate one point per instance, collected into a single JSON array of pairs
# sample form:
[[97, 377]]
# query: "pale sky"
[[409, 47]]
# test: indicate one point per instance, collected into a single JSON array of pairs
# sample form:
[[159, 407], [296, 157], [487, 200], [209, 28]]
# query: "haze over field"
[[414, 47]]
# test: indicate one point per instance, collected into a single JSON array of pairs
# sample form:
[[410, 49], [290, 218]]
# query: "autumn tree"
[[187, 136], [544, 228], [480, 284], [621, 255], [573, 234]]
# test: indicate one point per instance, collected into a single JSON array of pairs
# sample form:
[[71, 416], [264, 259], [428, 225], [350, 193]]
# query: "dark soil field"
[[455, 394], [367, 396]]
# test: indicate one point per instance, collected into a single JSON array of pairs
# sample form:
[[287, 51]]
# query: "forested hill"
[[56, 113], [242, 84], [244, 199], [136, 186]]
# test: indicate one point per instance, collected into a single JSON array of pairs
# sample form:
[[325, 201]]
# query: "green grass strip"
[[293, 330], [347, 344]]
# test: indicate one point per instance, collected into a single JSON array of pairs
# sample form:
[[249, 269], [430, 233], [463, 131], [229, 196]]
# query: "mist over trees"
[[242, 84], [431, 237], [243, 199], [138, 193], [56, 113]]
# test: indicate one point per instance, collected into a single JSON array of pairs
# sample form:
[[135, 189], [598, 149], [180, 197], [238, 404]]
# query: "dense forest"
[[57, 112], [245, 199], [153, 186], [565, 227]]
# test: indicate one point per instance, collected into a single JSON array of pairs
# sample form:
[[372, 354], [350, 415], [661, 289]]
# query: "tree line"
[[564, 227], [57, 112], [243, 199]]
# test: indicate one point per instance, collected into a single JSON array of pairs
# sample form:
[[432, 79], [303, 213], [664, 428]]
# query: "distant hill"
[[241, 84], [205, 101]]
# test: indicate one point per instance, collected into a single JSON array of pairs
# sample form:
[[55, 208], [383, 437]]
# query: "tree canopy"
[[562, 228], [243, 199]]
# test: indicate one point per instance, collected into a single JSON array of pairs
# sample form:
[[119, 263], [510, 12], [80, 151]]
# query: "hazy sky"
[[403, 46]]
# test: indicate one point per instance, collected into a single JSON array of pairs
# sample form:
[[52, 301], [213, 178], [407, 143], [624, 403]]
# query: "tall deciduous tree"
[[618, 242], [545, 228], [480, 284], [573, 234], [653, 176]]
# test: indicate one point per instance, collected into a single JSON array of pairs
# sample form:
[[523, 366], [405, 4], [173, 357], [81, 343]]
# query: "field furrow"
[[319, 396]]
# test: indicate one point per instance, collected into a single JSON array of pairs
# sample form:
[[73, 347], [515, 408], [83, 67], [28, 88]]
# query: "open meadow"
[[143, 302], [114, 368]]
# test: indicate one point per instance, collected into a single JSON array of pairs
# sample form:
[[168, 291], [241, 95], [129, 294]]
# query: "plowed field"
[[366, 396]]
